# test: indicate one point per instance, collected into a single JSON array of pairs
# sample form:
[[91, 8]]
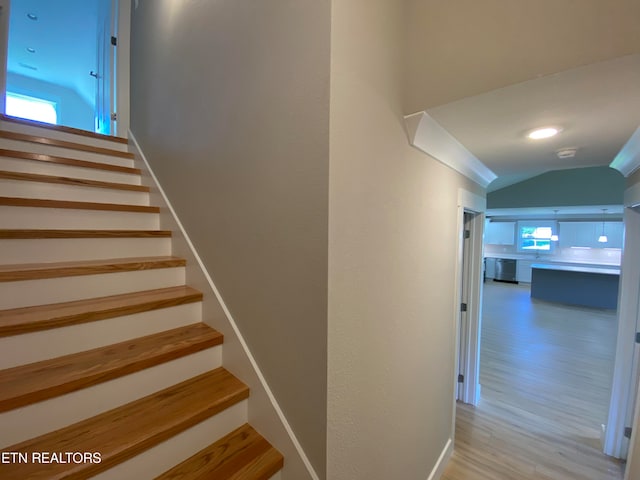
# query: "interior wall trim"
[[627, 160], [427, 135], [442, 462]]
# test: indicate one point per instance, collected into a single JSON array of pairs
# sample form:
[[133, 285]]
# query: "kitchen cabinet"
[[500, 233], [577, 234], [523, 271], [585, 234], [615, 234]]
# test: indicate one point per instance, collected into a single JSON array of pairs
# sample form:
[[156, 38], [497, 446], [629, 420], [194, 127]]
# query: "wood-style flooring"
[[546, 374]]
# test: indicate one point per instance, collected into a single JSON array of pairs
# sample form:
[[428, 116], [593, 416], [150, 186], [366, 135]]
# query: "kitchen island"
[[576, 285]]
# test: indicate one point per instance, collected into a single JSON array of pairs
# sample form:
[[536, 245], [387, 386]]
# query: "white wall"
[[73, 110], [392, 248]]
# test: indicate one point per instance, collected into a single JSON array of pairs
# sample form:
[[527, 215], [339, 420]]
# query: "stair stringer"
[[265, 414]]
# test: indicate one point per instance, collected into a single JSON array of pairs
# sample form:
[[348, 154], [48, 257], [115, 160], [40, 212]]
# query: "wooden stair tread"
[[64, 144], [34, 382], [125, 431], [62, 128], [30, 271], [242, 454], [40, 157], [42, 203], [54, 233], [17, 321], [77, 182]]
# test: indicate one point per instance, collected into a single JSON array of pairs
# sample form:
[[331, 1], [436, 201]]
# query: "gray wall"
[[229, 101], [73, 110], [579, 186]]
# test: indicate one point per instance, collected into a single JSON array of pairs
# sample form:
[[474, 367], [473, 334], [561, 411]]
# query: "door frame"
[[625, 373], [632, 469], [467, 342], [5, 11], [121, 27]]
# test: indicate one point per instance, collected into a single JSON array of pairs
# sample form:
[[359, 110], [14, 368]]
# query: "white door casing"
[[463, 323], [5, 6], [121, 28], [625, 374], [467, 348], [104, 54]]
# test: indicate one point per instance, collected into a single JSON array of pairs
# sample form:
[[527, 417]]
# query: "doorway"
[[624, 351], [72, 55], [622, 420], [468, 306], [530, 420]]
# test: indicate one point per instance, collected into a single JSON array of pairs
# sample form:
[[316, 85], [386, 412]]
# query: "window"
[[31, 108], [535, 236]]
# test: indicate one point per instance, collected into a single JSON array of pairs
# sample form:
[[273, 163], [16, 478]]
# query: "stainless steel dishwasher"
[[505, 270]]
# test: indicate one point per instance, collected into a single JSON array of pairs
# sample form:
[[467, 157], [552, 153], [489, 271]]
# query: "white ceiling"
[[597, 106], [64, 39]]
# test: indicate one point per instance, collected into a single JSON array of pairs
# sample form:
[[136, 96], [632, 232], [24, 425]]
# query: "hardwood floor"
[[545, 373]]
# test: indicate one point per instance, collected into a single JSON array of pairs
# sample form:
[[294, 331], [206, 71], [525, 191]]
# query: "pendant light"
[[554, 236], [603, 238]]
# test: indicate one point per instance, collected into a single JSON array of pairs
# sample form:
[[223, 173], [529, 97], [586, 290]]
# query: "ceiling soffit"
[[427, 135], [597, 107]]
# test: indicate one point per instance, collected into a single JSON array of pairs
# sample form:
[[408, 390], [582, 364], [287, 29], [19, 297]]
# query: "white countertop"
[[555, 261], [580, 269]]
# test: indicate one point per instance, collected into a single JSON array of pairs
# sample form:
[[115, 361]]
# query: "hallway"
[[545, 372]]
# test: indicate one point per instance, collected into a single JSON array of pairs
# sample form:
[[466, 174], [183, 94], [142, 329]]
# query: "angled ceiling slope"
[[597, 107]]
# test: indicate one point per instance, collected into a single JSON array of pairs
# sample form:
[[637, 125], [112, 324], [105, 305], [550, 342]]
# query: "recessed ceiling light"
[[32, 16], [545, 132], [31, 50]]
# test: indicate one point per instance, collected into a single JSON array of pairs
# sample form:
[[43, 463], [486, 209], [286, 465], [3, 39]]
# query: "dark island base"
[[597, 290]]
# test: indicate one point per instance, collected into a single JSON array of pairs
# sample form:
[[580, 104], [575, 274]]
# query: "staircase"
[[107, 369]]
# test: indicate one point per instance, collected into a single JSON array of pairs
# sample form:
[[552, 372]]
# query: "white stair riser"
[[43, 345], [47, 168], [70, 218], [71, 249], [76, 193], [162, 457], [57, 135], [27, 293], [32, 420], [64, 152]]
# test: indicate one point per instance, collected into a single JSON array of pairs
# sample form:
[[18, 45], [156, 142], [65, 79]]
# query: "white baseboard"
[[442, 462]]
